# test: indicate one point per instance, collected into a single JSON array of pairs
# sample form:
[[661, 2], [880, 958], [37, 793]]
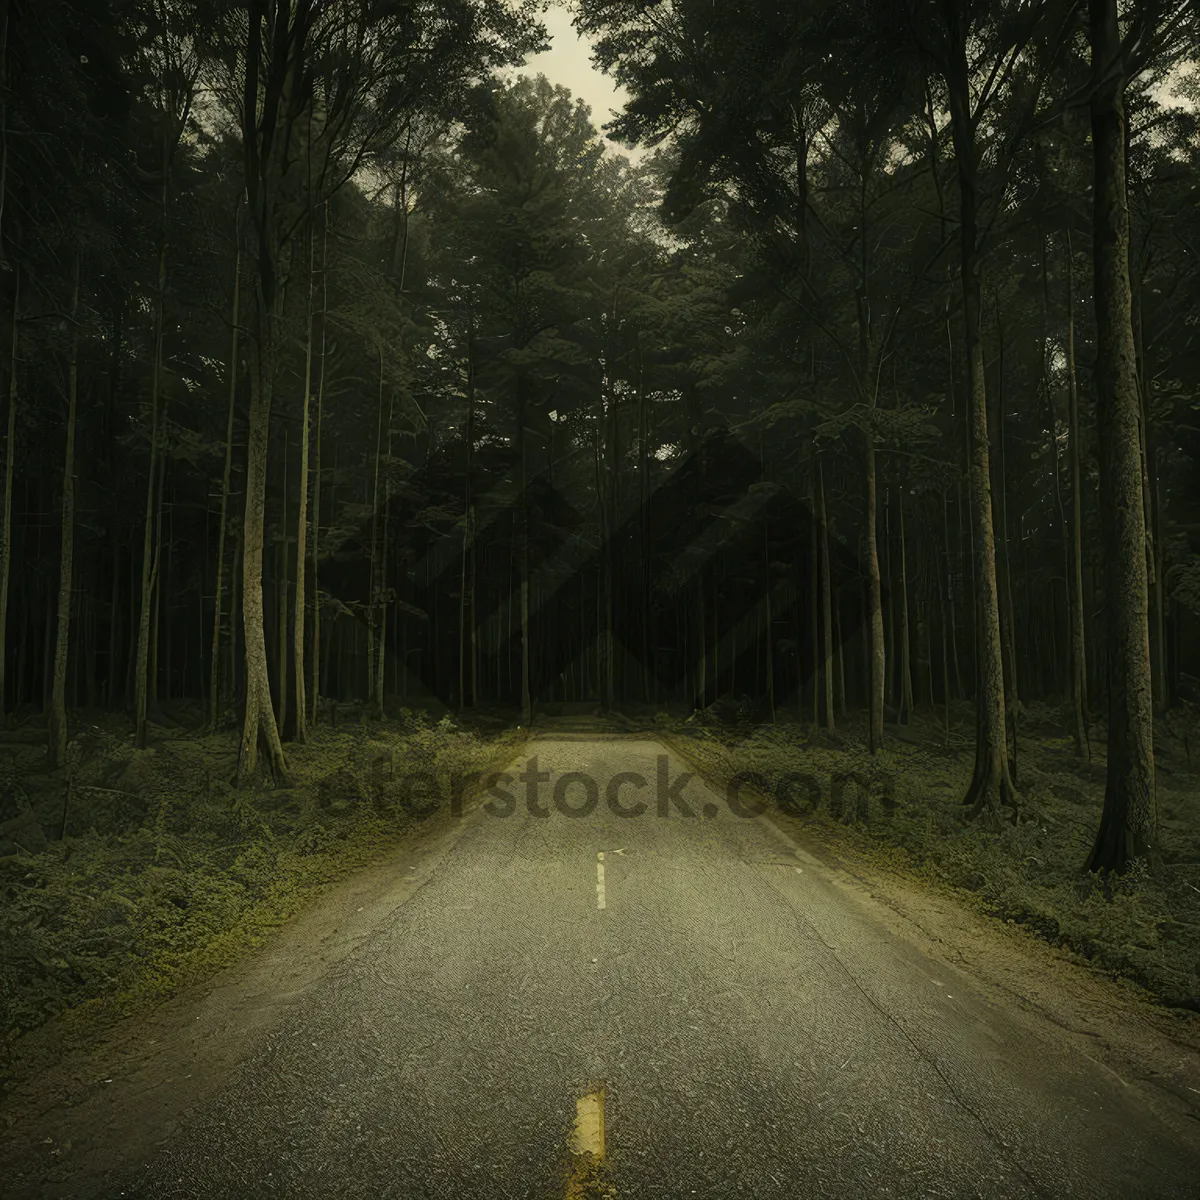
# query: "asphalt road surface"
[[649, 1006]]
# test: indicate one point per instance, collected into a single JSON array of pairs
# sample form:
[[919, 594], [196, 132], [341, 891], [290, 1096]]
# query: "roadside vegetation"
[[164, 872], [1144, 925]]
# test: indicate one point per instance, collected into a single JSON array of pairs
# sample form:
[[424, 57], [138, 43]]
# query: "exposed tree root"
[[992, 790]]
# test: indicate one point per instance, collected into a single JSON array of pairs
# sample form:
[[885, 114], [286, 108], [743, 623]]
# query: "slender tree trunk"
[[526, 695], [1008, 620], [769, 624], [314, 690], [152, 671], [890, 689], [214, 687], [1157, 664], [643, 520], [373, 586], [814, 587], [300, 609], [1125, 832], [1078, 646], [466, 603], [165, 596], [826, 599], [142, 671], [281, 600], [991, 785], [57, 715], [839, 644], [111, 683], [10, 447], [381, 646], [260, 713], [906, 674], [876, 665], [947, 610]]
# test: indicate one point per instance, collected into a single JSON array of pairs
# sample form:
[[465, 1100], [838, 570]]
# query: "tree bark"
[[1078, 645], [876, 663], [259, 720], [381, 643], [281, 601], [991, 785], [814, 587], [466, 642], [214, 687], [142, 672], [298, 616], [268, 116], [10, 445], [1125, 832], [906, 679], [826, 600], [314, 690], [57, 716]]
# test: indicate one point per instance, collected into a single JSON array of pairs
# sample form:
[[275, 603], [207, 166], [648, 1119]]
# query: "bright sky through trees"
[[568, 62]]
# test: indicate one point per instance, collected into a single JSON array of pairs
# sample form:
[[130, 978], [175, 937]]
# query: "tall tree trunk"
[[1078, 646], [143, 682], [991, 785], [839, 642], [314, 689], [381, 644], [373, 585], [298, 617], [526, 696], [268, 109], [947, 600], [57, 715], [214, 686], [112, 681], [152, 673], [10, 446], [768, 624], [1154, 535], [826, 600], [814, 586], [643, 519], [1125, 831], [281, 600], [466, 604], [906, 674], [1008, 621], [259, 720], [876, 664]]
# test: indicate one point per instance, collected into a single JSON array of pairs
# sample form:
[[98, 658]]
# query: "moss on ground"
[[1145, 926]]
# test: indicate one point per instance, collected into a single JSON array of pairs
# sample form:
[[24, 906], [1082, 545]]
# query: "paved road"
[[757, 1031]]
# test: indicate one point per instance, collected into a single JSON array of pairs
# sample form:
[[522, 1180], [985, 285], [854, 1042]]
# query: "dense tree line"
[[342, 364]]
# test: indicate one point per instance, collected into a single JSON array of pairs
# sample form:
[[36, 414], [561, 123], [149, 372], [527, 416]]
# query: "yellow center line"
[[584, 1181]]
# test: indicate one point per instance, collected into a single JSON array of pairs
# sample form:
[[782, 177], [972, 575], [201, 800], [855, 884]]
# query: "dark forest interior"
[[358, 390]]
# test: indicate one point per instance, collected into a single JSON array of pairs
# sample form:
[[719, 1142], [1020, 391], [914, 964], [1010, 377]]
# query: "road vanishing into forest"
[[614, 1006]]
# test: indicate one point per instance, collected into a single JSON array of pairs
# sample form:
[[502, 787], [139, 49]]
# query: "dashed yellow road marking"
[[588, 1137], [584, 1180]]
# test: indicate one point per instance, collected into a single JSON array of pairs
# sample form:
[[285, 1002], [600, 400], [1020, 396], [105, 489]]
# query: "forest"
[[355, 380]]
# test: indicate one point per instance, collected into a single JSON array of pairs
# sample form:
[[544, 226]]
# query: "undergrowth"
[[168, 871]]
